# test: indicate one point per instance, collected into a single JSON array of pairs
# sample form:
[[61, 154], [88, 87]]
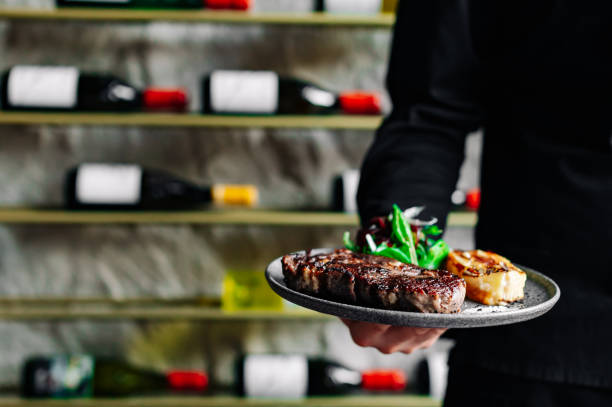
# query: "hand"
[[390, 339]]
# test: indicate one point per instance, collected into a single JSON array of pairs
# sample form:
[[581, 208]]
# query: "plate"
[[541, 294]]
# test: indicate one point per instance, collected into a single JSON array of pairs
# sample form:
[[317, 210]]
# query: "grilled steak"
[[373, 281]]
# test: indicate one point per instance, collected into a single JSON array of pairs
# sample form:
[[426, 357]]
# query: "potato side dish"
[[491, 279]]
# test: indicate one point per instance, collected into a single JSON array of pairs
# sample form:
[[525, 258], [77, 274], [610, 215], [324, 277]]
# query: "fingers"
[[366, 333], [390, 339], [409, 339]]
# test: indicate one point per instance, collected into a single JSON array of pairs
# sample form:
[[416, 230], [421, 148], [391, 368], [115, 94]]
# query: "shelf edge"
[[341, 122], [382, 20]]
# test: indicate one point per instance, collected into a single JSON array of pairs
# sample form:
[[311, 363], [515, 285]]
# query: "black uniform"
[[537, 77]]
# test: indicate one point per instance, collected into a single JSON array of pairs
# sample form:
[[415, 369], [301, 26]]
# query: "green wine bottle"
[[73, 376]]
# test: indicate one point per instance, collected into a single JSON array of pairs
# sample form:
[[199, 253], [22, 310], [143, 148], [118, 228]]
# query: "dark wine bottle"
[[265, 92], [72, 376], [159, 4], [156, 4], [128, 186], [349, 6], [31, 87], [295, 376]]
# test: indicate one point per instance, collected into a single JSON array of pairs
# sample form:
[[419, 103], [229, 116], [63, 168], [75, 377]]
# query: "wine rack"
[[382, 20], [154, 309], [215, 217], [345, 122]]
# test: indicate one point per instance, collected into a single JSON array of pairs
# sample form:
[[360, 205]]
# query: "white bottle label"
[[43, 86], [276, 376], [350, 184], [108, 184], [244, 91], [353, 6]]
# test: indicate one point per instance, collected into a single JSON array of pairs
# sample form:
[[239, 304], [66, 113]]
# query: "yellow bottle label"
[[227, 194]]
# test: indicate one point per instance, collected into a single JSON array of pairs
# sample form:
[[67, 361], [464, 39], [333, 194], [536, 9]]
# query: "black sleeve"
[[434, 84]]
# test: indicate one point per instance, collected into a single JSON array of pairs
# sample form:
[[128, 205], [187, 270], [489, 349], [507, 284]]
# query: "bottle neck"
[[186, 380], [228, 4], [383, 380], [359, 103], [231, 194], [164, 99]]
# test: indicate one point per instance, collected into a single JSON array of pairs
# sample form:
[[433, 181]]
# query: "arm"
[[433, 82]]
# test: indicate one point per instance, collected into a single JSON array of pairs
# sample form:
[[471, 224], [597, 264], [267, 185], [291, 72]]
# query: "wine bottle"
[[295, 376], [344, 191], [265, 92], [128, 186], [349, 6], [31, 87], [158, 4], [72, 376]]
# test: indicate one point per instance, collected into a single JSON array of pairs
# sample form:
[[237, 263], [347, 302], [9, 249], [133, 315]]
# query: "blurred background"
[[162, 286]]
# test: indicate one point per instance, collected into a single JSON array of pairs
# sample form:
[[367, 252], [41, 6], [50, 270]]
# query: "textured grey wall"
[[293, 168]]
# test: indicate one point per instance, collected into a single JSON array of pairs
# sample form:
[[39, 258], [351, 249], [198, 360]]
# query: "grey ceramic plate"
[[541, 294]]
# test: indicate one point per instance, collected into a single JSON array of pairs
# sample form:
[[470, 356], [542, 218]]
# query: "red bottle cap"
[[218, 4], [472, 198], [360, 103], [228, 4], [241, 4], [187, 380], [389, 380], [164, 99]]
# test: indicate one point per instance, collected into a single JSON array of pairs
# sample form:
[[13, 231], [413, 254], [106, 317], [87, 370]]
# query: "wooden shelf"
[[348, 122], [212, 217], [383, 20], [67, 309], [226, 401]]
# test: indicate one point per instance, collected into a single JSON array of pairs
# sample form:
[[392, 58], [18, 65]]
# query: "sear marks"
[[374, 281]]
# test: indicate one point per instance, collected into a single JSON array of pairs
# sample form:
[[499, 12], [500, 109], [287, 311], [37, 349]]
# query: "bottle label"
[[43, 86], [277, 376], [353, 6], [350, 184], [117, 184], [244, 91], [65, 377]]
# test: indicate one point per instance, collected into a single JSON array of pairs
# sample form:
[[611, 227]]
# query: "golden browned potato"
[[491, 279]]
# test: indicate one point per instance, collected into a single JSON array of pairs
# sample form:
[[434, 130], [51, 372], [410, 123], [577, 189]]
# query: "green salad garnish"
[[403, 237]]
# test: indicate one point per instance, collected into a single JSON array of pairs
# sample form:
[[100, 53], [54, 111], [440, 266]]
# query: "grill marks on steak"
[[374, 281]]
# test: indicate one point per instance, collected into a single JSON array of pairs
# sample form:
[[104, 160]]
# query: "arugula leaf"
[[348, 243], [432, 230]]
